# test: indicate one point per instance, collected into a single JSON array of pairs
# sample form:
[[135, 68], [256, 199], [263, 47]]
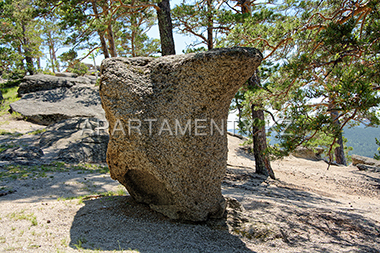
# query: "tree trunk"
[[28, 58], [339, 151], [259, 136], [104, 45], [111, 41], [100, 33], [245, 6], [38, 63], [166, 28], [210, 26], [260, 144], [133, 35], [51, 52]]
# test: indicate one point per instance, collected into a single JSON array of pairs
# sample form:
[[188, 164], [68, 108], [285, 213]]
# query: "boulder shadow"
[[120, 223]]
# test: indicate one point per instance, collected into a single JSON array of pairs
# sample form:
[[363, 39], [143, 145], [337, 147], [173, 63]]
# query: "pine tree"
[[19, 38], [328, 75]]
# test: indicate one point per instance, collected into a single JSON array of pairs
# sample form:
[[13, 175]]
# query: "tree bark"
[[111, 41], [259, 137], [100, 33], [340, 157], [166, 28], [104, 45], [245, 6], [210, 26], [28, 58], [262, 161]]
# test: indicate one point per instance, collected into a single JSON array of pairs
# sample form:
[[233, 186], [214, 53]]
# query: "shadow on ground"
[[119, 223], [303, 219]]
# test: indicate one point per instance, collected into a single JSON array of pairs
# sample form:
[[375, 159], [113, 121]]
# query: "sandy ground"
[[11, 124], [307, 209]]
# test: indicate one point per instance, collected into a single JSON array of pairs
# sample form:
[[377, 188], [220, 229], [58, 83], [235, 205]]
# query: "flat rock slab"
[[168, 126], [48, 82], [51, 106]]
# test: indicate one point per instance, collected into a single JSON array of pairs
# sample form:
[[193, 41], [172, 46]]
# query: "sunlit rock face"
[[168, 120]]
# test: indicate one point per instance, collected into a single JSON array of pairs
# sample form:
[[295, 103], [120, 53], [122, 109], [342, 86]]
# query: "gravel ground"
[[307, 209]]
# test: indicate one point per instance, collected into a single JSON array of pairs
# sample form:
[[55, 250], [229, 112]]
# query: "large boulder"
[[51, 106], [42, 82], [168, 126]]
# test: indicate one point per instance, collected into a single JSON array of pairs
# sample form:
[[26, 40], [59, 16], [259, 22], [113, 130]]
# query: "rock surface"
[[51, 106], [357, 159], [365, 163], [66, 74], [76, 140], [308, 153], [41, 82], [22, 155], [149, 102]]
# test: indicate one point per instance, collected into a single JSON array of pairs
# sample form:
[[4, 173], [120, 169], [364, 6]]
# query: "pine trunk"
[[262, 161], [111, 41], [210, 26], [100, 33], [339, 151], [166, 28], [28, 58]]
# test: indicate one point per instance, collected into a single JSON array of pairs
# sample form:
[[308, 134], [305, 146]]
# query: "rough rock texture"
[[308, 153], [179, 174], [22, 155], [357, 159], [75, 140], [51, 106], [66, 74], [365, 163], [368, 167], [42, 82]]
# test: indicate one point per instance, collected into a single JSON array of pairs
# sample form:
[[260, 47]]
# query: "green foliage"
[[377, 155], [10, 96], [19, 38], [131, 33], [196, 18], [327, 66], [79, 68]]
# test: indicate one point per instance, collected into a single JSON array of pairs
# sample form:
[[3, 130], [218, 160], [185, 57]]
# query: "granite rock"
[[168, 120], [357, 159], [76, 140], [308, 153], [51, 106]]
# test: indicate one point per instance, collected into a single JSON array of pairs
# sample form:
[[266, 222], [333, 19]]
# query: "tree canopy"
[[321, 69]]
